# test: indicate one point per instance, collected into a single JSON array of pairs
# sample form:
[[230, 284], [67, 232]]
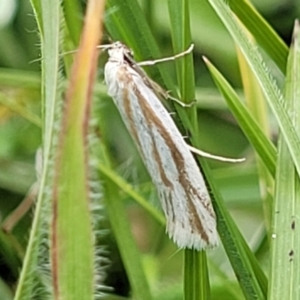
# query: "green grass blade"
[[250, 276], [5, 292], [125, 21], [265, 149], [8, 254], [226, 287], [196, 281], [20, 78], [37, 8], [71, 26], [129, 252], [270, 89], [20, 110], [129, 190], [50, 65], [120, 224], [181, 38], [72, 13], [263, 33], [72, 238], [285, 243], [258, 107]]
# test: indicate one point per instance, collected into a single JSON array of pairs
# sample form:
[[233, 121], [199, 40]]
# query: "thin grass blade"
[[196, 280], [120, 225], [126, 21], [48, 16], [257, 105], [20, 110], [285, 242], [271, 91], [250, 276], [129, 190], [72, 13], [263, 33], [262, 145]]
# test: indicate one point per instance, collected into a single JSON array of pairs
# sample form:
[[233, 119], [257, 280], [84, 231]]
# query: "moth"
[[190, 218]]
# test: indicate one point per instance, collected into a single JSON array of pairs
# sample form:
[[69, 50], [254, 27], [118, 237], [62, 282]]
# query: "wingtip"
[[186, 239]]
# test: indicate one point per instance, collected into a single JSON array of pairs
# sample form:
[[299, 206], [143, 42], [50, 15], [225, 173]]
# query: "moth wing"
[[185, 200]]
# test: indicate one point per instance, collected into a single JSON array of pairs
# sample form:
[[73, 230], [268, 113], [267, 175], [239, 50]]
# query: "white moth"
[[191, 221]]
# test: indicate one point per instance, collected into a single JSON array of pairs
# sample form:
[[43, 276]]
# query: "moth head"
[[120, 52]]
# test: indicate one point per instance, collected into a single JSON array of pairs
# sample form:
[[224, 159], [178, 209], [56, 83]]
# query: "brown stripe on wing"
[[190, 190], [124, 77], [164, 178]]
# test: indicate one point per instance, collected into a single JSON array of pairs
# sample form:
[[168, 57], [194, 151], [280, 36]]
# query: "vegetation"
[[96, 228]]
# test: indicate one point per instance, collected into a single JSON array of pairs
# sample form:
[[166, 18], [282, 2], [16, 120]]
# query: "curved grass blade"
[[258, 107], [263, 33], [272, 93], [250, 276], [262, 145]]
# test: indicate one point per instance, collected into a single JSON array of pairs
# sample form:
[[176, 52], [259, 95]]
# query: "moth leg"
[[220, 158], [182, 104], [166, 94]]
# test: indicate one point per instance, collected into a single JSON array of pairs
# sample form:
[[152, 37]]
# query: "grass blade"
[[262, 145], [125, 21], [72, 12], [73, 241], [284, 269], [122, 231], [263, 33], [257, 105], [270, 89], [49, 20], [181, 38], [20, 109], [196, 280], [252, 280], [250, 276], [128, 189]]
